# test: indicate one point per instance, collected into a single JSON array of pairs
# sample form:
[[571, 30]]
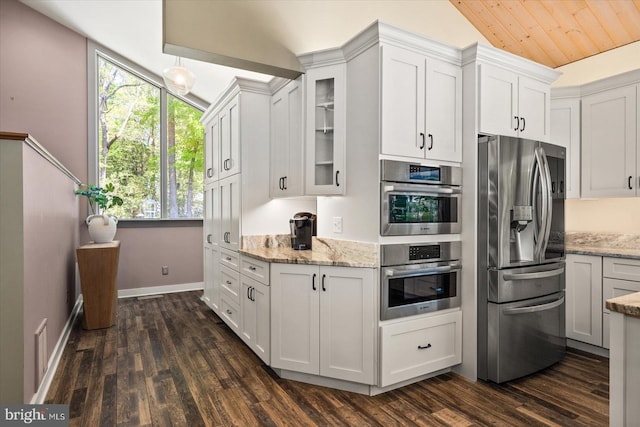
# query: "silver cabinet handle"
[[210, 173], [423, 347]]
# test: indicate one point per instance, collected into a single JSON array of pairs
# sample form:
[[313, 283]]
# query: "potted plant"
[[102, 226]]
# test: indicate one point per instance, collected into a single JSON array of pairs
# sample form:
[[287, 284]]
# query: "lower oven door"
[[419, 209], [527, 336], [419, 288]]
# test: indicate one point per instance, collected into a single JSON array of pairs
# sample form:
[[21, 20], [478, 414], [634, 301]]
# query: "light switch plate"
[[337, 224]]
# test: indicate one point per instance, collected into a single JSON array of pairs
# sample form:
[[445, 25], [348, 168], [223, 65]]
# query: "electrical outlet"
[[337, 224], [165, 270]]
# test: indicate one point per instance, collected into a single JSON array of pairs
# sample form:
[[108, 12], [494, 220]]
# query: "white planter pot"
[[102, 228]]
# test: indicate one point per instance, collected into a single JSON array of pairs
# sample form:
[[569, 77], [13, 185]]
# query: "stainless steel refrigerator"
[[521, 267]]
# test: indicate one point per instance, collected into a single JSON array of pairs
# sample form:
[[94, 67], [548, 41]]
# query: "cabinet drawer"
[[230, 259], [230, 313], [417, 347], [612, 288], [621, 268], [230, 283], [255, 268]]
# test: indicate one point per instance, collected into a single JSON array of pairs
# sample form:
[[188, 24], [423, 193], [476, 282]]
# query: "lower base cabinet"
[[254, 317], [323, 321], [411, 348]]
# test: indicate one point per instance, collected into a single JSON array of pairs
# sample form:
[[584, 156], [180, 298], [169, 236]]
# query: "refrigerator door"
[[516, 185], [530, 335]]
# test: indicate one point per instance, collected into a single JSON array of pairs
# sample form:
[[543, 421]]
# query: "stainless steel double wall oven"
[[415, 199]]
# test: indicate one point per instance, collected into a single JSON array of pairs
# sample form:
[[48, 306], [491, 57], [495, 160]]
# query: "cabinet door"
[[208, 275], [214, 274], [534, 102], [347, 323], [584, 298], [443, 111], [211, 214], [326, 130], [565, 131], [211, 149], [229, 190], [403, 102], [498, 101], [287, 141], [609, 121], [229, 119], [262, 333], [247, 311], [295, 317]]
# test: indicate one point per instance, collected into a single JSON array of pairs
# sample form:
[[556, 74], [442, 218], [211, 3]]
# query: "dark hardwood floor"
[[171, 361]]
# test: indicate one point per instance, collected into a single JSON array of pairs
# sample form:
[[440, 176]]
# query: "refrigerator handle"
[[544, 179], [535, 308], [530, 276], [549, 211]]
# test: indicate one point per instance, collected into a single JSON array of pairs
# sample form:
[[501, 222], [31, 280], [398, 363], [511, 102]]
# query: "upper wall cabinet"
[[326, 130], [565, 131], [421, 106], [229, 119], [287, 141], [513, 104], [609, 143]]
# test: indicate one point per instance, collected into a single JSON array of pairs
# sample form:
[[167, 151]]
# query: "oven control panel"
[[425, 252]]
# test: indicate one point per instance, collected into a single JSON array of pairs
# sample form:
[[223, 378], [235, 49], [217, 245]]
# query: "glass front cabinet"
[[326, 130]]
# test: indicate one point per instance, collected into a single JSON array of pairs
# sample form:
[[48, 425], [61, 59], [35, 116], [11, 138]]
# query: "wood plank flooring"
[[171, 361]]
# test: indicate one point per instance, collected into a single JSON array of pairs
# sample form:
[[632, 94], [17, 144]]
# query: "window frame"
[[94, 50]]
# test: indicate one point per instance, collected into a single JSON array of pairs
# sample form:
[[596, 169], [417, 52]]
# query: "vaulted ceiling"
[[554, 32]]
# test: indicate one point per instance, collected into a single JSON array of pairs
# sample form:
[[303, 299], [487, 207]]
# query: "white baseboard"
[[52, 366], [155, 290]]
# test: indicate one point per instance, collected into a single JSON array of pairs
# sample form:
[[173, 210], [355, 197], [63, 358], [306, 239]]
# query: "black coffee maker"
[[303, 227]]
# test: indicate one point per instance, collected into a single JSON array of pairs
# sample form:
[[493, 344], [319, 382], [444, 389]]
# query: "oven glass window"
[[407, 209], [412, 290]]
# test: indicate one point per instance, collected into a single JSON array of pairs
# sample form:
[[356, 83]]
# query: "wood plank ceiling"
[[554, 32]]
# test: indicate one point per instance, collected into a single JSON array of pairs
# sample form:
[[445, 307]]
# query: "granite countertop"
[[603, 244], [626, 304], [324, 251]]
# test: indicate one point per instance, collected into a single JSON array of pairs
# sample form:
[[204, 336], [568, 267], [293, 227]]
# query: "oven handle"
[[420, 188], [400, 273]]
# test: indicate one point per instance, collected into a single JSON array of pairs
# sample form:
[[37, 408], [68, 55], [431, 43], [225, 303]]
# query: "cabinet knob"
[[423, 347]]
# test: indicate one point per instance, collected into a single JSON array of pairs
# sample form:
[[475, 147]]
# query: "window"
[[149, 143]]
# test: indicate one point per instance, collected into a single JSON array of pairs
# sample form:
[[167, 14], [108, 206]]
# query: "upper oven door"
[[408, 209]]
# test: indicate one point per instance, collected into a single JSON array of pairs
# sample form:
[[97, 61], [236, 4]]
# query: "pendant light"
[[178, 79]]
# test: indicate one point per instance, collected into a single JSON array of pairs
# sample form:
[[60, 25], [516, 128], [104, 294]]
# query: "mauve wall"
[[50, 238], [43, 91]]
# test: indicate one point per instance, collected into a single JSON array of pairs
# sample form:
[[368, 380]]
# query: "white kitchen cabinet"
[[211, 149], [255, 316], [229, 119], [609, 143], [326, 130], [211, 294], [421, 106], [411, 348], [565, 131], [287, 141], [621, 276], [230, 193], [584, 298], [514, 105], [323, 321]]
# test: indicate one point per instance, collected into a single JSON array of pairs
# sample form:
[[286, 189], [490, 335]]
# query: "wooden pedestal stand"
[[98, 265]]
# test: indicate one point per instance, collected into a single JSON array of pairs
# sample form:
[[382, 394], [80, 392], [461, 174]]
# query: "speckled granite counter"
[[626, 304], [325, 251], [603, 244]]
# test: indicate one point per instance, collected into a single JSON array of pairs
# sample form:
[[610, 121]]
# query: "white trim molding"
[[157, 290]]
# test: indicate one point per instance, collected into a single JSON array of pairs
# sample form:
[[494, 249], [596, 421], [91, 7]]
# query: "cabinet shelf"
[[325, 105]]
